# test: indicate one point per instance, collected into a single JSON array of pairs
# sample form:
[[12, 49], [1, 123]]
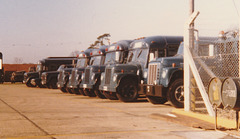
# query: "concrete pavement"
[[43, 113]]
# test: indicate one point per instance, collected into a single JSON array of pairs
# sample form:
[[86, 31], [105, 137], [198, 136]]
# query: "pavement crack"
[[37, 126]]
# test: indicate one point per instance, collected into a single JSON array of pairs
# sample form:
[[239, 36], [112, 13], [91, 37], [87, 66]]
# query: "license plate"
[[84, 85], [105, 88]]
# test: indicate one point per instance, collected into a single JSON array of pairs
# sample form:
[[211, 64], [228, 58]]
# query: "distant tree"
[[94, 45], [103, 37], [100, 41]]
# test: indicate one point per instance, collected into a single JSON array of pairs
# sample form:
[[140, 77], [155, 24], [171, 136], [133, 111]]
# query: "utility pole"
[[188, 43]]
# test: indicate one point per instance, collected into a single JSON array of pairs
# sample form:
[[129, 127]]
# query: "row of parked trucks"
[[147, 66]]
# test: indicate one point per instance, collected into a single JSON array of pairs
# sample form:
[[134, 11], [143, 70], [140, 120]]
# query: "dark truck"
[[63, 76], [17, 76], [49, 79], [116, 53], [165, 74], [165, 80], [1, 69], [33, 79], [96, 66], [124, 81]]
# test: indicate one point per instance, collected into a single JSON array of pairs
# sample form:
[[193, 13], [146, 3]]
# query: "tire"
[[176, 93], [156, 100], [63, 90], [69, 90], [53, 84], [28, 84], [82, 92], [110, 95], [41, 86], [89, 92], [99, 94], [76, 91], [127, 91]]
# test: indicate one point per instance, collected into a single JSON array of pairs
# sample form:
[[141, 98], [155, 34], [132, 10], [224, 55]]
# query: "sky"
[[31, 30]]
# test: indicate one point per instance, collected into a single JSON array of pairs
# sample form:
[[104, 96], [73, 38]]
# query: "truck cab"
[[123, 81], [1, 69], [33, 79], [165, 74], [116, 53], [63, 76], [49, 78], [92, 71]]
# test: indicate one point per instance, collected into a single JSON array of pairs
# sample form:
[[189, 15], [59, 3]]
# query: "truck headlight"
[[164, 73]]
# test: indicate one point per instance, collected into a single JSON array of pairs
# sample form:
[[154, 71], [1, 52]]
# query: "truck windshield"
[[113, 57], [139, 56], [180, 49], [81, 62], [96, 60]]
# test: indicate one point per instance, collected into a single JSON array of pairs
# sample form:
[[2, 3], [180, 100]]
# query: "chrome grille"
[[87, 75], [60, 76], [152, 73], [107, 76]]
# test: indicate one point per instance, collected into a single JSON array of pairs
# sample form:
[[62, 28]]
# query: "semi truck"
[[33, 79], [124, 81], [116, 53], [63, 76]]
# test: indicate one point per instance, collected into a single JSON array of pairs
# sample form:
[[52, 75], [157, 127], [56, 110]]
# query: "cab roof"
[[155, 41], [121, 45]]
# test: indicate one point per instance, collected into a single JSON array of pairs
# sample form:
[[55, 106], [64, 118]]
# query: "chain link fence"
[[216, 49]]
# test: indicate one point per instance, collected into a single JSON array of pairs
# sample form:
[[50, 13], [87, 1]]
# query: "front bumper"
[[153, 90], [108, 88], [86, 86]]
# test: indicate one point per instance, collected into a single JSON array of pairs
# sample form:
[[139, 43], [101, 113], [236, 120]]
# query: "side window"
[[161, 53], [172, 49]]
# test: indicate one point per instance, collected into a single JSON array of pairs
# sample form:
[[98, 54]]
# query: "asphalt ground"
[[46, 113]]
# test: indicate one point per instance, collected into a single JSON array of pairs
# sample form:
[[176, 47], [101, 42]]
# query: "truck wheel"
[[76, 91], [81, 91], [53, 84], [69, 90], [29, 83], [176, 93], [89, 92], [63, 90], [110, 95], [156, 100], [99, 94], [127, 91]]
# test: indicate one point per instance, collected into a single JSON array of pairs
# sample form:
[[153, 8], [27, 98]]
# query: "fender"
[[168, 73], [97, 77], [127, 76]]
